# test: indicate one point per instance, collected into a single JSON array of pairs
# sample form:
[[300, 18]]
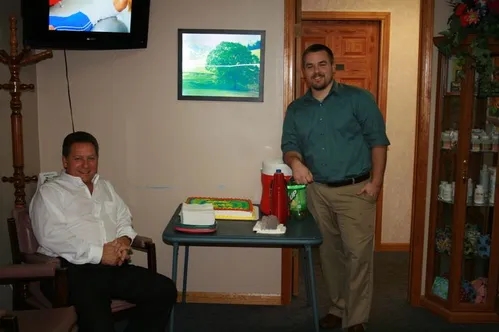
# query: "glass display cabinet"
[[462, 265]]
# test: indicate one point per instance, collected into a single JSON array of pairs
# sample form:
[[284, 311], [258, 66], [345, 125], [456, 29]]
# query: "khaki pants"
[[346, 221]]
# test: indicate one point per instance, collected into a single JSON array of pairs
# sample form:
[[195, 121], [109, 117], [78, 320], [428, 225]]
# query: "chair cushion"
[[49, 320]]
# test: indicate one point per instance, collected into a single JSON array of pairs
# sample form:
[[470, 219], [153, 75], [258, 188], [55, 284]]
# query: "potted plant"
[[478, 21]]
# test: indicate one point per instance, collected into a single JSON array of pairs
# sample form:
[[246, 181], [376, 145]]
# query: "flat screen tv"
[[85, 24]]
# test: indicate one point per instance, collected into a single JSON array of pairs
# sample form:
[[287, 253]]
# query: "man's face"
[[82, 161], [318, 70]]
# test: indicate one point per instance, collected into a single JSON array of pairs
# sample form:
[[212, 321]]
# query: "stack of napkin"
[[269, 225], [197, 214]]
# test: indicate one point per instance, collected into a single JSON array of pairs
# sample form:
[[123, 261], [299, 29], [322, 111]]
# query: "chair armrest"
[[141, 242], [26, 272], [146, 244], [37, 258]]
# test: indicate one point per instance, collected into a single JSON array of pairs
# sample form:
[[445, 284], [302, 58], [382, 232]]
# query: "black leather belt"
[[349, 181]]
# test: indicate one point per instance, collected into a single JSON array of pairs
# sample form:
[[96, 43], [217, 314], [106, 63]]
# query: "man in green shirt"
[[334, 139]]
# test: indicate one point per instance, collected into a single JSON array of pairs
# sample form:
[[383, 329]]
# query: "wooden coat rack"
[[15, 61]]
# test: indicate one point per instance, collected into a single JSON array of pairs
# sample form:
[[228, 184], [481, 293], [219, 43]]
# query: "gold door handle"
[[465, 170]]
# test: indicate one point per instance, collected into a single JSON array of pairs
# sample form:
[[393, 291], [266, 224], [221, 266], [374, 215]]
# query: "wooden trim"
[[292, 8], [394, 247], [420, 177], [289, 51], [286, 275], [344, 16], [384, 50], [459, 317], [430, 253], [230, 298], [297, 266]]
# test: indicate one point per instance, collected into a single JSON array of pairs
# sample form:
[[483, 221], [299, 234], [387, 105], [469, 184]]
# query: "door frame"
[[293, 15], [421, 153]]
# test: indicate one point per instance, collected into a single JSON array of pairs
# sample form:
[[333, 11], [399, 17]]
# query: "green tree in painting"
[[234, 65]]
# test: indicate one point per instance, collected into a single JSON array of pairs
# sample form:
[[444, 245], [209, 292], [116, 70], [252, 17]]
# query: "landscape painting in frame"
[[221, 64]]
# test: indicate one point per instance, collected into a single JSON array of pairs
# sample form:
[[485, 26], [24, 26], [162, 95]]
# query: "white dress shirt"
[[70, 222]]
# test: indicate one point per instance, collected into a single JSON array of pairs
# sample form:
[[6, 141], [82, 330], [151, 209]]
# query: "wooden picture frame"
[[221, 65]]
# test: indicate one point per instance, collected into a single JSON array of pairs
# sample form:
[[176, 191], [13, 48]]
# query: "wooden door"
[[355, 45]]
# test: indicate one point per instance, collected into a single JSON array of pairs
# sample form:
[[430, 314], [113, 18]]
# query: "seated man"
[[80, 218]]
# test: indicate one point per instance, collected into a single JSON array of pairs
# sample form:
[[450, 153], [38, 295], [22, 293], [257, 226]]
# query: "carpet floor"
[[390, 309]]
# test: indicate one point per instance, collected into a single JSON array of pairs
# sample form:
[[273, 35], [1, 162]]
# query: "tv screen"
[[85, 24]]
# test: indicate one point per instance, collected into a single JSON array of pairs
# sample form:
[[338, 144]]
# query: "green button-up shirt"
[[335, 136]]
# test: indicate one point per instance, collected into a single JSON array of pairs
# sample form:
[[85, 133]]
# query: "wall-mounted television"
[[85, 24]]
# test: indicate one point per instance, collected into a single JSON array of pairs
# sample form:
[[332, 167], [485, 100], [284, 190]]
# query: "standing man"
[[79, 217], [334, 139]]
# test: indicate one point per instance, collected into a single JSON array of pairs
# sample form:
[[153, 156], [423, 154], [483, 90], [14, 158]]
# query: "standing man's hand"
[[301, 173], [370, 189]]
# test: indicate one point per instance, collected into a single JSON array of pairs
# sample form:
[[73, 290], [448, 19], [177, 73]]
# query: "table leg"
[[306, 276], [311, 272], [186, 265], [174, 278]]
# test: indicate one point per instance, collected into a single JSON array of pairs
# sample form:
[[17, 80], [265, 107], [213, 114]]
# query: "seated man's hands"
[[124, 241], [116, 252], [125, 248]]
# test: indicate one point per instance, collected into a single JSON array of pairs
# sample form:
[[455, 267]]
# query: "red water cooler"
[[269, 167]]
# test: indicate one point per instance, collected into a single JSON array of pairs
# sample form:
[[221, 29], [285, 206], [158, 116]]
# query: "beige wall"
[[401, 105], [30, 121], [158, 150]]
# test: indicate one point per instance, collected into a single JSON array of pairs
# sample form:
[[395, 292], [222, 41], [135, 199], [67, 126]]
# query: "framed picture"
[[222, 65]]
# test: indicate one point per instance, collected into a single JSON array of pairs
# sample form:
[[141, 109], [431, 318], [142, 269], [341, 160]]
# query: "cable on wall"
[[69, 91]]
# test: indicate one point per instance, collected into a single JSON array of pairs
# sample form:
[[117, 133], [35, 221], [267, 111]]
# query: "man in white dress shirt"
[[80, 218]]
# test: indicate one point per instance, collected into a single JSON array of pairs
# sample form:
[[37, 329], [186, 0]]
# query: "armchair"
[[24, 245], [46, 320]]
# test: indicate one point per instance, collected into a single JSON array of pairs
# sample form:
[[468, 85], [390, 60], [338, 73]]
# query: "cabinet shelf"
[[477, 152], [468, 204]]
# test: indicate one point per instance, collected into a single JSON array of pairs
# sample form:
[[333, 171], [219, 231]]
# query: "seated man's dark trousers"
[[92, 286]]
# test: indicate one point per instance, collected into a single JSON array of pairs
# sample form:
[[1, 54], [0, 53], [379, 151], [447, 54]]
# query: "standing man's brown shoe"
[[330, 321], [356, 328]]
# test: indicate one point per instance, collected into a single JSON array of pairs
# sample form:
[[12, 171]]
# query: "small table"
[[233, 233]]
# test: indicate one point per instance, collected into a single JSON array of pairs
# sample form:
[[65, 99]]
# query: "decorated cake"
[[228, 208]]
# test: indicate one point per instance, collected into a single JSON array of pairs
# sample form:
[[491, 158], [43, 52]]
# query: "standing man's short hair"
[[317, 48]]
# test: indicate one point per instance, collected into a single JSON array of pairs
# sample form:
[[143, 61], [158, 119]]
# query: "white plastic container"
[[479, 195], [270, 166]]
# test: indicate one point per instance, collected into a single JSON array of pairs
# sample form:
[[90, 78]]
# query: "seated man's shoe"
[[356, 328], [330, 321]]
